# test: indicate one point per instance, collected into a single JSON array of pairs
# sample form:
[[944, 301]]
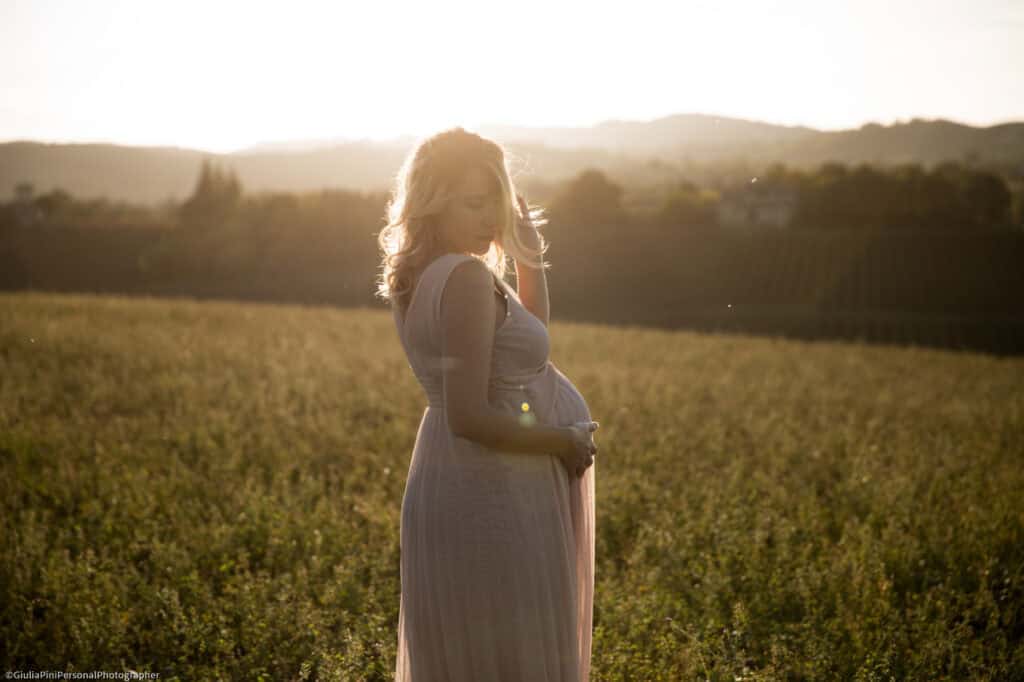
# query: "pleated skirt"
[[497, 560]]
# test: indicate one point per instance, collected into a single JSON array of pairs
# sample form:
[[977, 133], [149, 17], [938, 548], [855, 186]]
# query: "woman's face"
[[469, 223]]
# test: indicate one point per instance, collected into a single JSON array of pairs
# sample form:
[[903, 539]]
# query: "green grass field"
[[212, 491]]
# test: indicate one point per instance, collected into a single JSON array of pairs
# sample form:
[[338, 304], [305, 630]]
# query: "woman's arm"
[[467, 326], [505, 433], [532, 283], [533, 291]]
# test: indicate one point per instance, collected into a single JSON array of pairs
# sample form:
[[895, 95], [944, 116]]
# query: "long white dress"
[[497, 548]]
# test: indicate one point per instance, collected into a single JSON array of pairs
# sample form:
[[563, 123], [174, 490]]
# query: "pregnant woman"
[[497, 524]]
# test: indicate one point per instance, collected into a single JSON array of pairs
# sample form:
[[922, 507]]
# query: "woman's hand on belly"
[[578, 458]]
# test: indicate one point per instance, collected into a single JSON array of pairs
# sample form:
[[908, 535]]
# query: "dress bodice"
[[522, 377]]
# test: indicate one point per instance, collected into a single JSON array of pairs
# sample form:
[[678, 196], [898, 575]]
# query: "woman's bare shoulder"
[[468, 280]]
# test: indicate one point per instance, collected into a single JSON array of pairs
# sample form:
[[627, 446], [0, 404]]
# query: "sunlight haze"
[[223, 76]]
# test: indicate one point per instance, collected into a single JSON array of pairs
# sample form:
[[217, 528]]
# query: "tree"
[[688, 206], [589, 198], [214, 201], [989, 200], [23, 192], [57, 205], [23, 209]]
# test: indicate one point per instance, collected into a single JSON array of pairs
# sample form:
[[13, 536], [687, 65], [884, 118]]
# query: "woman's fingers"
[[587, 458]]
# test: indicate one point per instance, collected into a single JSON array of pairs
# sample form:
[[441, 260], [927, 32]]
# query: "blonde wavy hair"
[[423, 186]]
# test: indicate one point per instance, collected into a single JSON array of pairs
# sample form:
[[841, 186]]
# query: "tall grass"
[[212, 491]]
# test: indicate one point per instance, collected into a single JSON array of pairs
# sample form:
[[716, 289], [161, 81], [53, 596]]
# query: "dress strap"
[[504, 288]]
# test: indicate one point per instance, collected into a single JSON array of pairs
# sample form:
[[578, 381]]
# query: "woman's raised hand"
[[524, 226]]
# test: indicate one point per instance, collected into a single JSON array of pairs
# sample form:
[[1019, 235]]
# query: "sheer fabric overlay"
[[497, 548]]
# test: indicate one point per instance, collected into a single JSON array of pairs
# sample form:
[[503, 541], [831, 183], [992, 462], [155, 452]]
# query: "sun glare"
[[225, 75]]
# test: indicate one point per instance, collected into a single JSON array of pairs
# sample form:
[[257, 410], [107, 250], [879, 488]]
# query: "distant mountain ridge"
[[630, 151], [679, 131]]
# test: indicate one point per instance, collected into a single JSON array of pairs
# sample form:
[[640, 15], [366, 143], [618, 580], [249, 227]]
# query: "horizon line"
[[398, 137]]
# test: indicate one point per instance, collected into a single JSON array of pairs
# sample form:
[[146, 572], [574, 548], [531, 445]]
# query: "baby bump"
[[571, 406], [548, 398]]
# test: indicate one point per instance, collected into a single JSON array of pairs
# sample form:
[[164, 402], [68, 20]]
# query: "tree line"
[[950, 196], [834, 196], [947, 281]]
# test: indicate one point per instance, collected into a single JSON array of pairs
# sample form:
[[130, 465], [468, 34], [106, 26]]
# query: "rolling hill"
[[634, 152]]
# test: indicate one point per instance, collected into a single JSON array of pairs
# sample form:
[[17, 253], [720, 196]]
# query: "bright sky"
[[220, 75]]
